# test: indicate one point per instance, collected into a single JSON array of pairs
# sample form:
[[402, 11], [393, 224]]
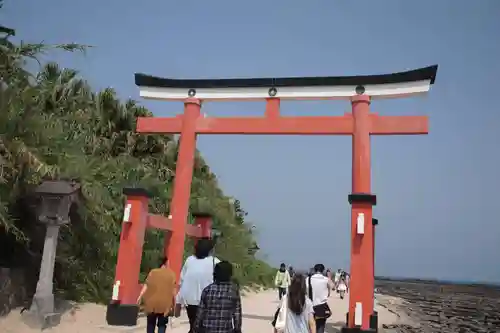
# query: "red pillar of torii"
[[360, 124]]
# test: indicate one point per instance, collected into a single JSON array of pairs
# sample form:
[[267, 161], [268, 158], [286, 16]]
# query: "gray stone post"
[[44, 295], [42, 311]]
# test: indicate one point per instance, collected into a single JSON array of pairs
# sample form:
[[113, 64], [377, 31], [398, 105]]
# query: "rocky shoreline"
[[433, 307]]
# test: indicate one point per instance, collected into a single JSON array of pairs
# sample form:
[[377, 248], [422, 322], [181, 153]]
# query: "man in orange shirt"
[[158, 295]]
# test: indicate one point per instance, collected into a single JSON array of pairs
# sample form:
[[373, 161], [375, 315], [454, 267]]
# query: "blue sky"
[[436, 193]]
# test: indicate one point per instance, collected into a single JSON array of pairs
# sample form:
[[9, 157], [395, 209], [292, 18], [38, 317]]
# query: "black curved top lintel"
[[421, 74]]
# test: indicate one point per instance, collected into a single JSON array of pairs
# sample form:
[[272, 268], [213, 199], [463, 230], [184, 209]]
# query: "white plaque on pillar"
[[360, 224], [126, 212], [116, 291], [358, 314]]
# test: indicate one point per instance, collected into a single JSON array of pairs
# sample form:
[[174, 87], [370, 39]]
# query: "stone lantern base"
[[41, 321], [41, 314]]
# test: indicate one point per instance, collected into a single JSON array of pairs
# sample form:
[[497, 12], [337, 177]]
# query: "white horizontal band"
[[392, 90]]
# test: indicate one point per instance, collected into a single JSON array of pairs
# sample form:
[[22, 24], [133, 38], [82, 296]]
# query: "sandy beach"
[[258, 309]]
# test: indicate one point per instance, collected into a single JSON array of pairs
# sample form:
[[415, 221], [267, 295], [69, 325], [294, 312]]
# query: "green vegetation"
[[53, 125]]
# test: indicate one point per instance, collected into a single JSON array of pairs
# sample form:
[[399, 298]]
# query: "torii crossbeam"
[[360, 124]]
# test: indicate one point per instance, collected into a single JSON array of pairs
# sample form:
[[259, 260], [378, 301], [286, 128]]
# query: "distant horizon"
[[396, 277], [446, 281], [430, 279], [421, 278]]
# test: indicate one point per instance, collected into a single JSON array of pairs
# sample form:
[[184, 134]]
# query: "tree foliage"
[[53, 125]]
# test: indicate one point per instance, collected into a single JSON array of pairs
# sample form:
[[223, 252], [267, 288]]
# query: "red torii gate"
[[360, 124], [123, 309]]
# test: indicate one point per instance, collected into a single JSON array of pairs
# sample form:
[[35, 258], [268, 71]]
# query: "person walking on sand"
[[220, 305], [336, 278], [318, 287], [196, 274], [347, 277], [299, 312], [329, 276], [342, 286], [158, 297], [282, 280]]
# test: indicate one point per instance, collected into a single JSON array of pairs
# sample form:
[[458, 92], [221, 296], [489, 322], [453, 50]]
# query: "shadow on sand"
[[334, 327], [258, 317]]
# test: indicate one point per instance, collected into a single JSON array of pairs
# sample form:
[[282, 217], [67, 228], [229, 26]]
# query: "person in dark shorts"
[[319, 287], [197, 273], [158, 296]]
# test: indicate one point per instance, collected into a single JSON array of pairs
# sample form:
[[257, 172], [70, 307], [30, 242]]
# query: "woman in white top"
[[320, 285], [196, 274], [299, 310], [342, 287], [336, 278]]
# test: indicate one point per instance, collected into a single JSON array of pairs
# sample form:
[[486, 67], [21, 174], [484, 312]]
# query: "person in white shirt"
[[196, 274], [318, 287]]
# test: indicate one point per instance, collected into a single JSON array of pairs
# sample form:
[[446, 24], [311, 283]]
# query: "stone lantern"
[[55, 198]]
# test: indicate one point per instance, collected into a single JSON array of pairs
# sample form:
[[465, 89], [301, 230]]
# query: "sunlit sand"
[[258, 309]]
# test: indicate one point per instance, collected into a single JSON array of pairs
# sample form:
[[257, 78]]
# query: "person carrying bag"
[[282, 280], [318, 294], [295, 313]]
